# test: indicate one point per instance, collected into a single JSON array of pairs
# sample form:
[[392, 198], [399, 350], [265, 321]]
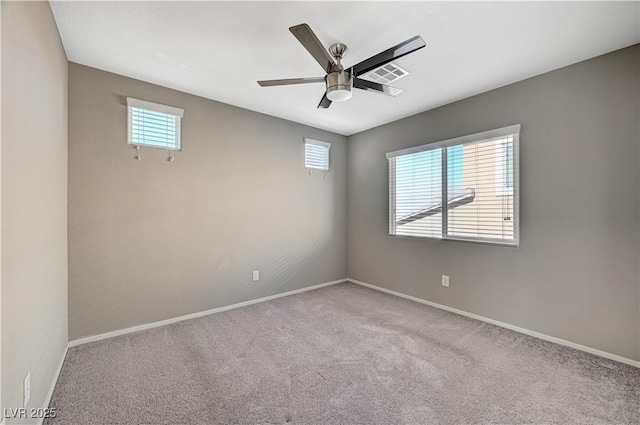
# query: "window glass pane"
[[475, 209], [509, 164], [316, 156], [418, 194], [455, 166], [155, 129]]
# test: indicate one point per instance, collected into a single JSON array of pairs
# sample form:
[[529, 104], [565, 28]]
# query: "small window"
[[154, 125], [459, 189], [316, 154]]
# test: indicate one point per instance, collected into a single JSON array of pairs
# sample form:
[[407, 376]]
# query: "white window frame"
[[155, 107], [320, 143], [514, 131]]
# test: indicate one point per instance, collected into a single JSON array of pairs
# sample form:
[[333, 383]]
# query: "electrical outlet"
[[26, 389], [256, 275], [445, 280]]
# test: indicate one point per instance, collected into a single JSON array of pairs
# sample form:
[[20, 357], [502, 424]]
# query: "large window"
[[459, 189]]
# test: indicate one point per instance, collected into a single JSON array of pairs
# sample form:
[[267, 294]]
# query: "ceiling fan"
[[339, 80]]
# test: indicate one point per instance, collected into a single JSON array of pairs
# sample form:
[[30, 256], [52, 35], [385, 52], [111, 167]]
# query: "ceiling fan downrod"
[[339, 81]]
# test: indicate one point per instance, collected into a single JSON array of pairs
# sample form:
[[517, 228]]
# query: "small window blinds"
[[460, 189], [316, 154], [154, 125]]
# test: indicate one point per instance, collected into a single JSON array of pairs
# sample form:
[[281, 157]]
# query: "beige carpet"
[[340, 355]]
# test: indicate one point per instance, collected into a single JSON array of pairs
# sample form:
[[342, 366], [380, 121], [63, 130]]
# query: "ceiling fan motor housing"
[[339, 84]]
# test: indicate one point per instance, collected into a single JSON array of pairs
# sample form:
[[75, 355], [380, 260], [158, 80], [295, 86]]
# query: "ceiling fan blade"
[[310, 42], [288, 81], [325, 102], [376, 87], [395, 52]]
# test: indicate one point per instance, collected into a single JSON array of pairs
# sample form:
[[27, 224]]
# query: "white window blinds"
[[464, 188], [154, 125], [316, 154]]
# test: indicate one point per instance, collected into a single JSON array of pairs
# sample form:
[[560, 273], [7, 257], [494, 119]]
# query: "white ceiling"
[[219, 49]]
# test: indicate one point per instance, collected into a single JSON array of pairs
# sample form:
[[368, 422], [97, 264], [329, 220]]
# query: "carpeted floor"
[[343, 354]]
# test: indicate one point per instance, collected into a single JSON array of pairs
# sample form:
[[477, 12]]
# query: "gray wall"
[[575, 275], [151, 240], [34, 200]]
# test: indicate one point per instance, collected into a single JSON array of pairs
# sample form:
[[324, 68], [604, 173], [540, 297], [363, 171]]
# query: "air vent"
[[386, 74]]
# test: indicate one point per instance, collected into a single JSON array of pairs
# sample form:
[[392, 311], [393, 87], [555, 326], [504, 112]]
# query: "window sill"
[[509, 244]]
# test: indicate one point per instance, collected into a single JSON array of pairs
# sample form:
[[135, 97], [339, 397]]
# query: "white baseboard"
[[138, 328], [54, 381], [505, 325]]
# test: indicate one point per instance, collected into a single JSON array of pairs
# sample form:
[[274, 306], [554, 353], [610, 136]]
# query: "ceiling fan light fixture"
[[337, 94]]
